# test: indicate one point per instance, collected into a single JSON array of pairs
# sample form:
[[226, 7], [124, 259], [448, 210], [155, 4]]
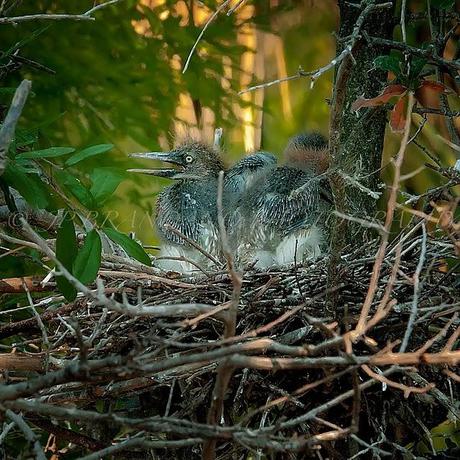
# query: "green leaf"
[[105, 182], [47, 153], [8, 90], [388, 63], [133, 248], [66, 251], [443, 4], [416, 66], [88, 259], [76, 188], [23, 137], [88, 152], [31, 188]]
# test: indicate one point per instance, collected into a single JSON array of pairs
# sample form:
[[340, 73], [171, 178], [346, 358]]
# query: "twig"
[[419, 129], [347, 51], [9, 329], [437, 394], [28, 433], [406, 389], [142, 442], [185, 259], [58, 17], [235, 7], [453, 376], [63, 433], [298, 392], [403, 20], [416, 278], [433, 111], [311, 414], [100, 6], [203, 30], [47, 17], [360, 327], [428, 53], [11, 239], [300, 73], [37, 317]]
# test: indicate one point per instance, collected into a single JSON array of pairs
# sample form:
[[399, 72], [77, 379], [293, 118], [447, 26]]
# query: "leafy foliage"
[[88, 153], [88, 260], [133, 248], [399, 92], [113, 67], [443, 4], [104, 182], [82, 262], [46, 153]]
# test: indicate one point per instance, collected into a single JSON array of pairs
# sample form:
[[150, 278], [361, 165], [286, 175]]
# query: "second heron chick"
[[188, 206], [281, 215]]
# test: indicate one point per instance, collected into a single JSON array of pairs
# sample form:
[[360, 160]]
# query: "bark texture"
[[361, 135], [356, 140]]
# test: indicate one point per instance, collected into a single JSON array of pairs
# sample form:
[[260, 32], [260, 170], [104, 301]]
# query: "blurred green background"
[[119, 80]]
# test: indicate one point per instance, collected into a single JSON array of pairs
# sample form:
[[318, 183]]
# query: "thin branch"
[[403, 20], [300, 74], [28, 433], [360, 328], [203, 30], [428, 53], [58, 17], [47, 17], [347, 51], [142, 442], [100, 6], [407, 390], [416, 278]]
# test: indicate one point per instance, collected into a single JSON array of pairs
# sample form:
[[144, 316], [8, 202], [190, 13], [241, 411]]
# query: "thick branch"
[[9, 124]]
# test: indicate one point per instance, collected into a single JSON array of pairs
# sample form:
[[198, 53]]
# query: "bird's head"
[[253, 162], [193, 161], [308, 151]]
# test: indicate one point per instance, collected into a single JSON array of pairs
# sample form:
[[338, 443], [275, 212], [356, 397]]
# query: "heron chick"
[[281, 214], [188, 206]]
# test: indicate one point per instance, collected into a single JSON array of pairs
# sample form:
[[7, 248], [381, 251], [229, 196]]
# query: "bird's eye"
[[189, 159]]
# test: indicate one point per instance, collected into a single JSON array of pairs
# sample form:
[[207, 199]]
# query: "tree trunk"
[[361, 137], [356, 139]]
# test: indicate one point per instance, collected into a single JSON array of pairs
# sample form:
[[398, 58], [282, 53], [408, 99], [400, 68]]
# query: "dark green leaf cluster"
[[47, 179], [406, 72]]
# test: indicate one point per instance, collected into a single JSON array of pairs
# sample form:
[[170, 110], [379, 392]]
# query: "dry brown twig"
[[68, 380], [391, 206], [232, 356]]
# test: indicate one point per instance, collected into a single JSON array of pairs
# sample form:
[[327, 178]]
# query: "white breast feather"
[[306, 241], [169, 250]]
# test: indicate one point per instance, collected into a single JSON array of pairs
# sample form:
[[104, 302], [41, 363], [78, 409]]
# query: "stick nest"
[[165, 367]]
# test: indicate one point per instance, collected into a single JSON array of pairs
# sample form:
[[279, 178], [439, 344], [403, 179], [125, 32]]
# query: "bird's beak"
[[167, 157]]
